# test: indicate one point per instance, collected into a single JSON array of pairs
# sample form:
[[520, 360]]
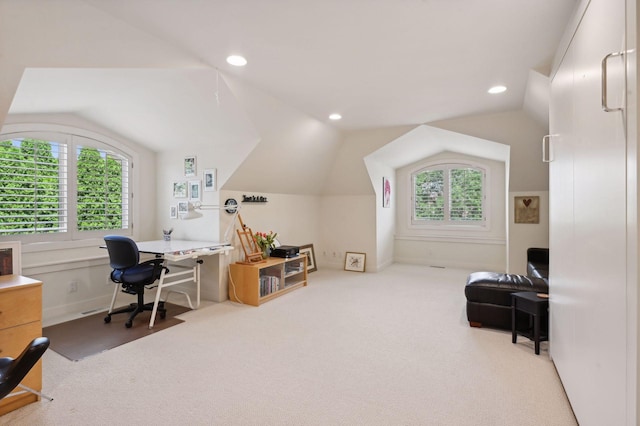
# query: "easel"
[[252, 253]]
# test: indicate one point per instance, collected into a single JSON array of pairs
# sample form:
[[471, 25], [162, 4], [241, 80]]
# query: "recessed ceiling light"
[[497, 89], [237, 60], [335, 117]]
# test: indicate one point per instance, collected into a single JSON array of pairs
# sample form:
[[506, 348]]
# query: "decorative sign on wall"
[[527, 209], [254, 199]]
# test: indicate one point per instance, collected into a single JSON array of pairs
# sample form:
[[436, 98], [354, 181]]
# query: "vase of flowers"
[[266, 242]]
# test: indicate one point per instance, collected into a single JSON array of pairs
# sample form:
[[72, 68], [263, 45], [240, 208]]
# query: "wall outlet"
[[73, 287]]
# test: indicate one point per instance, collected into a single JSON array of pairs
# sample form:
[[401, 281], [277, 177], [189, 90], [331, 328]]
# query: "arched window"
[[449, 194], [58, 186]]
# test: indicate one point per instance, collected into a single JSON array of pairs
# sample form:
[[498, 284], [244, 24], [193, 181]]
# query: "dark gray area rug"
[[90, 335]]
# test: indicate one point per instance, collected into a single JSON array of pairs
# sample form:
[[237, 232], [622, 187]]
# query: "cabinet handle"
[[546, 149], [605, 107]]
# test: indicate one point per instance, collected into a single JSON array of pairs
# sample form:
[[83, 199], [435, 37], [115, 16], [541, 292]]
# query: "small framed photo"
[[173, 212], [311, 257], [354, 261], [190, 166], [10, 258], [183, 208], [194, 190], [180, 189], [210, 183]]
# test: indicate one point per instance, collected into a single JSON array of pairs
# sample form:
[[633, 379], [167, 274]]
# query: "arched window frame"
[[70, 140], [447, 222]]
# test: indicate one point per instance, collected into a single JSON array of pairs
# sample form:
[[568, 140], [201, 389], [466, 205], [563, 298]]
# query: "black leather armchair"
[[14, 370], [538, 263], [132, 275], [489, 293]]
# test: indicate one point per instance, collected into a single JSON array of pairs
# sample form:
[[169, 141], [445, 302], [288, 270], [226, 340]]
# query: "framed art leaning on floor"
[[354, 261], [311, 257]]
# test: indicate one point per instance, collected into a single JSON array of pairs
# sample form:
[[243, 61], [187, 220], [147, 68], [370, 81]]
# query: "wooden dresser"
[[20, 323]]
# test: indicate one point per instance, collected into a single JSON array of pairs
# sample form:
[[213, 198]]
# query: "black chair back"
[[12, 371], [123, 251]]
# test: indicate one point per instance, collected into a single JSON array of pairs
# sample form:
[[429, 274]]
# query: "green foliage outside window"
[[99, 191], [448, 194], [33, 188], [29, 187]]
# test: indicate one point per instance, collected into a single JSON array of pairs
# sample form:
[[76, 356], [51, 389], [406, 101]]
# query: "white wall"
[[385, 216], [525, 235], [348, 223], [295, 153], [352, 201], [518, 130], [527, 172]]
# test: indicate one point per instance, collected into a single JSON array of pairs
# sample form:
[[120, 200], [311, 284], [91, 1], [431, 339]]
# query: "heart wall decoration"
[[526, 209]]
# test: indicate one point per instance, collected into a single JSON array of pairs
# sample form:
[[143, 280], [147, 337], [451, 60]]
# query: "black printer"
[[285, 251]]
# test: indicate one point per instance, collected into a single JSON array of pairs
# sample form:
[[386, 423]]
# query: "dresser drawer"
[[20, 305]]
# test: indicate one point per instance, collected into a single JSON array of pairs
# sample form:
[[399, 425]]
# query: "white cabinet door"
[[588, 222]]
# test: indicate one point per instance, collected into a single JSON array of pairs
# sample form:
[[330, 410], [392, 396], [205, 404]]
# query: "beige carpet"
[[90, 335], [391, 348]]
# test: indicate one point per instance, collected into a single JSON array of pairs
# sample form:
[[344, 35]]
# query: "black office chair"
[[13, 370], [132, 275]]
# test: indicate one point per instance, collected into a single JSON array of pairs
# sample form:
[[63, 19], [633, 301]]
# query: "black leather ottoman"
[[489, 297]]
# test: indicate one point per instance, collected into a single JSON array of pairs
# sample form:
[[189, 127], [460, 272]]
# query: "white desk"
[[176, 251]]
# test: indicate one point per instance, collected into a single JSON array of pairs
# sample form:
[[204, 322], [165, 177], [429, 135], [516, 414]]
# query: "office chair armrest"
[[158, 266]]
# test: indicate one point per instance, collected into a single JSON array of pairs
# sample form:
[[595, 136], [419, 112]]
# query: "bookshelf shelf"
[[254, 284]]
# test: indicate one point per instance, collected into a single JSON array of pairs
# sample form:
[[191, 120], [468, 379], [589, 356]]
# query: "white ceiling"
[[376, 62]]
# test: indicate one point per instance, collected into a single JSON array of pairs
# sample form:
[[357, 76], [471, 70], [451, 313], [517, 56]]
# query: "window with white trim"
[[449, 194], [48, 194]]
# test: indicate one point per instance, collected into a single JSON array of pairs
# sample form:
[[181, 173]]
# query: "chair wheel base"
[[107, 319]]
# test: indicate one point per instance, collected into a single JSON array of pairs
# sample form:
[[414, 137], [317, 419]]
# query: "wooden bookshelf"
[[254, 284]]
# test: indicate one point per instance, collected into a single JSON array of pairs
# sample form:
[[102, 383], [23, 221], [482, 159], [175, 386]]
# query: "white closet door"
[[588, 223]]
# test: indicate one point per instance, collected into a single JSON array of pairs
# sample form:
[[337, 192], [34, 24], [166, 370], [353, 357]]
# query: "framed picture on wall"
[[386, 192], [10, 258], [173, 212], [210, 183], [190, 166], [180, 189], [194, 190], [183, 208], [526, 209]]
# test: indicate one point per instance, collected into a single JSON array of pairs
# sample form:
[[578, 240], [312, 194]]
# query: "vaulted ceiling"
[[376, 62]]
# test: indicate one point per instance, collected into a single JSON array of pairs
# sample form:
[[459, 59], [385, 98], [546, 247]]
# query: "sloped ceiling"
[[378, 63]]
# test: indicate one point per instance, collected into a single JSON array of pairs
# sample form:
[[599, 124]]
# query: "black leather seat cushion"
[[496, 288]]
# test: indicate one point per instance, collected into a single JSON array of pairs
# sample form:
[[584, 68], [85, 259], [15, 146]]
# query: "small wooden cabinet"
[[254, 284], [20, 323]]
